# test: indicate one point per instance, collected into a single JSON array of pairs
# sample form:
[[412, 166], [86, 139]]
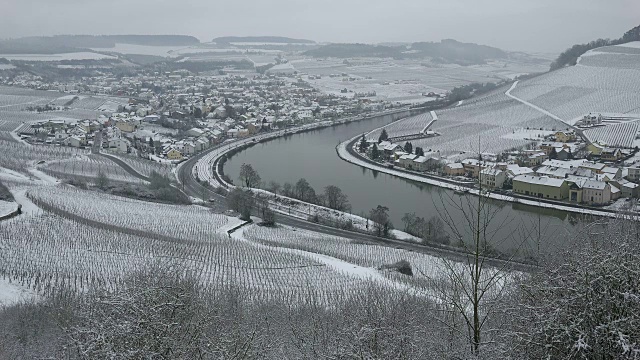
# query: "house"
[[454, 169], [75, 141], [595, 148], [611, 154], [474, 166], [420, 163], [406, 161], [119, 144], [126, 126], [563, 154], [174, 154], [612, 172], [633, 173], [596, 192], [195, 132], [591, 119], [493, 178], [535, 159], [595, 167], [541, 186], [630, 190], [565, 136]]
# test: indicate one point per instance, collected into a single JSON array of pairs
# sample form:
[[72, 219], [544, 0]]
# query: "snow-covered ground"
[[7, 207], [12, 293], [57, 57]]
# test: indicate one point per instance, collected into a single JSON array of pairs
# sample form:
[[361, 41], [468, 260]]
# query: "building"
[[406, 161], [454, 169], [126, 126], [174, 154], [474, 166], [611, 154], [596, 192], [633, 173], [493, 178], [565, 136], [541, 186], [535, 159]]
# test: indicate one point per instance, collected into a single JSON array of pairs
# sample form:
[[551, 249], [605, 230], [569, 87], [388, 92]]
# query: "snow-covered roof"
[[539, 180]]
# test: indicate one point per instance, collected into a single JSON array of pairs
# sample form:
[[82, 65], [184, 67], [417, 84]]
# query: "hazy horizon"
[[534, 26]]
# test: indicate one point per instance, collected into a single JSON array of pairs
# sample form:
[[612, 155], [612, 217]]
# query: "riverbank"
[[345, 152]]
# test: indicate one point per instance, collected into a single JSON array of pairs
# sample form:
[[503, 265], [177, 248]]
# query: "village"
[[169, 117], [560, 168]]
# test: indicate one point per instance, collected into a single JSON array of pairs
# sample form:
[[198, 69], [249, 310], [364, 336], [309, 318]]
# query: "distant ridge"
[[261, 39], [446, 51], [570, 56], [73, 43]]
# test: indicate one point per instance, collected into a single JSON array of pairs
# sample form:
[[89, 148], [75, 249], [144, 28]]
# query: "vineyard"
[[409, 126], [88, 167], [48, 252], [144, 166], [491, 119], [17, 156], [618, 135], [170, 221], [427, 270], [607, 80]]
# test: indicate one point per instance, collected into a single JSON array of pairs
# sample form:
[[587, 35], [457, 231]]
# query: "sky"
[[518, 25]]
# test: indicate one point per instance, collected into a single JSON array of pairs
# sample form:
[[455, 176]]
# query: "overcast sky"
[[533, 25]]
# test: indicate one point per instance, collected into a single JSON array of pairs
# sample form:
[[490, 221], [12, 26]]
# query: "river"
[[312, 155]]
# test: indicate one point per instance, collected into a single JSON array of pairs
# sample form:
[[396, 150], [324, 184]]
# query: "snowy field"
[[18, 156], [88, 166], [607, 80], [403, 80], [603, 82], [145, 166], [174, 221], [7, 207], [57, 57], [491, 123]]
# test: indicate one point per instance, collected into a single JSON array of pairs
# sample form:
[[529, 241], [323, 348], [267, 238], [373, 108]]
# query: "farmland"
[[498, 122], [603, 82], [88, 167]]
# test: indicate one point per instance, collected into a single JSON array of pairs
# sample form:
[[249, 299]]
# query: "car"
[[212, 200]]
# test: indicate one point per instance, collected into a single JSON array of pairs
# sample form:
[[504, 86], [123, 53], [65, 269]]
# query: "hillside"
[[260, 39], [74, 43], [446, 51], [570, 56]]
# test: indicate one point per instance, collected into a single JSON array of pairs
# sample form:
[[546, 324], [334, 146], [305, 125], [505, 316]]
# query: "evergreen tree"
[[383, 136], [374, 152], [363, 144], [408, 147]]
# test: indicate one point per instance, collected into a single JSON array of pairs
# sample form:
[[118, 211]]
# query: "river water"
[[312, 155]]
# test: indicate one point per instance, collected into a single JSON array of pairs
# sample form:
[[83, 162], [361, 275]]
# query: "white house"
[[596, 192], [492, 178]]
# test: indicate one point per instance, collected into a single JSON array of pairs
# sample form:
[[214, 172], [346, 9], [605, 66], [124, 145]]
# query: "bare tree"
[[381, 222], [473, 286], [249, 176], [335, 198]]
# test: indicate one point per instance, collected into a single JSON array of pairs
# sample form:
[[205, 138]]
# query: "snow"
[[543, 111], [57, 57], [28, 207], [633, 44], [10, 175], [7, 207], [12, 293], [352, 270]]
